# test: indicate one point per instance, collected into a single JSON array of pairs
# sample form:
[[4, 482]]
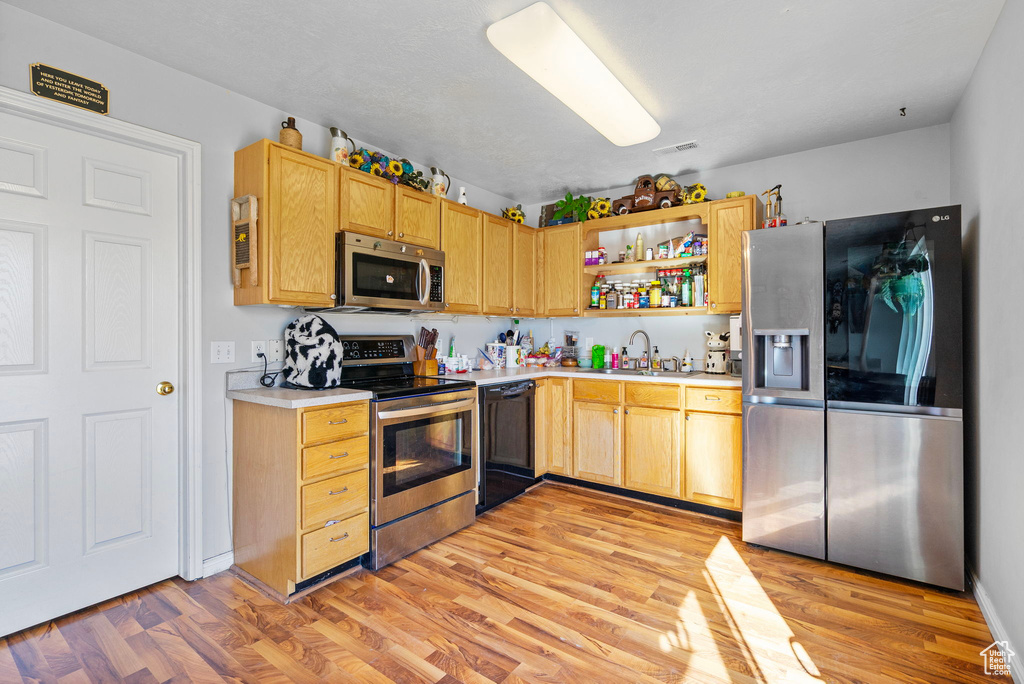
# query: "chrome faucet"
[[677, 364], [648, 339]]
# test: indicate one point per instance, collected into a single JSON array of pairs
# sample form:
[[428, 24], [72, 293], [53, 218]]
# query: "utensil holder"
[[426, 367]]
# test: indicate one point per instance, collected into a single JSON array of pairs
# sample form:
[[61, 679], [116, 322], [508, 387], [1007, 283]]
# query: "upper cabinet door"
[[367, 204], [497, 265], [303, 220], [562, 268], [461, 240], [728, 220], [417, 219], [524, 271]]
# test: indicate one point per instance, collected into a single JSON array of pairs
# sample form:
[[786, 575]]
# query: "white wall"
[[988, 172], [908, 170], [152, 95]]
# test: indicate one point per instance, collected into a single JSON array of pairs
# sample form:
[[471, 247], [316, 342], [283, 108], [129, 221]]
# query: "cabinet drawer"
[[336, 422], [333, 545], [715, 400], [335, 499], [604, 391], [653, 395], [335, 457]]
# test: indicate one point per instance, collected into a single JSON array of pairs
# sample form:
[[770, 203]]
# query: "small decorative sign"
[[72, 89]]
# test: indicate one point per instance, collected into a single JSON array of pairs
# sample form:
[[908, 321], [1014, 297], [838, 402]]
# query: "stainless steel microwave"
[[374, 274]]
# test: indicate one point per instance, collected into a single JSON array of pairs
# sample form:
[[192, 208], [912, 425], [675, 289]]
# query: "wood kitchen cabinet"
[[562, 262], [652, 443], [301, 490], [553, 434], [417, 217], [597, 437], [366, 204], [714, 447], [726, 223], [462, 242], [296, 195], [525, 255], [499, 236]]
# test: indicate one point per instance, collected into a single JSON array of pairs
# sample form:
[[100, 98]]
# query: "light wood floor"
[[560, 585]]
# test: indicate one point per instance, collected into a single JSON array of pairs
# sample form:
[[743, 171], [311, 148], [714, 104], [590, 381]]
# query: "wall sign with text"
[[72, 89]]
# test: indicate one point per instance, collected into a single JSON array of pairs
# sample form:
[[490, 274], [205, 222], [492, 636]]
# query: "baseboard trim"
[[650, 498], [995, 625], [211, 566]]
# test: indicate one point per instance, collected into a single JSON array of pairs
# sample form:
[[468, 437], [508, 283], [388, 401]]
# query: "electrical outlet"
[[222, 352], [275, 351], [258, 347]]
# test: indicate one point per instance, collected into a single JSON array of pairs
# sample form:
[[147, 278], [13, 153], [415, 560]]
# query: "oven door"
[[425, 452], [383, 274]]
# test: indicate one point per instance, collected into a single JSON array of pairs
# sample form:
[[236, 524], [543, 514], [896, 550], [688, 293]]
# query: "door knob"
[[164, 388]]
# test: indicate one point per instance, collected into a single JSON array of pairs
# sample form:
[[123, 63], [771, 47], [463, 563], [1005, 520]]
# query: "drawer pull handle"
[[340, 491], [341, 538], [338, 455], [708, 397], [331, 522], [337, 422]]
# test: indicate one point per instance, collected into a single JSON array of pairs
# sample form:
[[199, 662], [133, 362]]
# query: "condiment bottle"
[[612, 298]]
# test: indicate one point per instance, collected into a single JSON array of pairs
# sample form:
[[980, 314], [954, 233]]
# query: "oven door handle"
[[422, 285], [444, 406]]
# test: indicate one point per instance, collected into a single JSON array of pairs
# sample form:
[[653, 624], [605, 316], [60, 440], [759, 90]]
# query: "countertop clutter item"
[[340, 144], [718, 343], [439, 182], [290, 135], [871, 433]]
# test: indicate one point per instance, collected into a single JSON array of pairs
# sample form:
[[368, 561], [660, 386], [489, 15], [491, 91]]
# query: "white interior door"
[[89, 303]]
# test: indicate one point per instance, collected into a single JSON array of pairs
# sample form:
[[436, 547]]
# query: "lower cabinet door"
[[597, 432], [652, 451], [334, 544], [714, 459]]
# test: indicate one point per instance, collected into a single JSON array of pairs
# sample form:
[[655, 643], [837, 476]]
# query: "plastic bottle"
[[615, 359], [656, 360], [644, 361], [638, 247], [624, 359], [595, 294], [612, 298]]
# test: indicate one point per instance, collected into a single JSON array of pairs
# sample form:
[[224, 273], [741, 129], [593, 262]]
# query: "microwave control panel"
[[436, 284]]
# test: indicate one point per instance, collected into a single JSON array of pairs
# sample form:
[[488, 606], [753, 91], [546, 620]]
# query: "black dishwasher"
[[506, 441]]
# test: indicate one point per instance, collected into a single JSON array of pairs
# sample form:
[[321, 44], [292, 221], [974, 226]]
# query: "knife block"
[[426, 367]]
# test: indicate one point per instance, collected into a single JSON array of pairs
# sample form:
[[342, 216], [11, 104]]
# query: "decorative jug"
[[290, 135], [439, 182], [340, 143]]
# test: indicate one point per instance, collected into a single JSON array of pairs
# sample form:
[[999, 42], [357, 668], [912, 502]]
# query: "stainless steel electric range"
[[423, 446]]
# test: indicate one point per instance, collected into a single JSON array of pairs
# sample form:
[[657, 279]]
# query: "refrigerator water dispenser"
[[780, 359]]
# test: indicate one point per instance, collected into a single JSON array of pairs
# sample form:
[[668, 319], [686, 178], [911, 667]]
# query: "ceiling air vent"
[[678, 147]]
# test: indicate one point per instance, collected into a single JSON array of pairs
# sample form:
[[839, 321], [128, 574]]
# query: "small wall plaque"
[[72, 89]]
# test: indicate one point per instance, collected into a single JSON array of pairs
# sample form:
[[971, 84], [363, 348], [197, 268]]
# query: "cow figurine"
[[717, 345]]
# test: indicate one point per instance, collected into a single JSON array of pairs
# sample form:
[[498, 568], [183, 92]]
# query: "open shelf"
[[650, 217], [644, 266], [623, 313]]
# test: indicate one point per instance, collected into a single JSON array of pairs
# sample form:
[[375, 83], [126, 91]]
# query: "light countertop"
[[293, 399], [492, 377]]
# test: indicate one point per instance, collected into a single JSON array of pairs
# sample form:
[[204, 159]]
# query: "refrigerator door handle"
[[895, 410]]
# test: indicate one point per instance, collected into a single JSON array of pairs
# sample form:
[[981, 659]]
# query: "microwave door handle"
[[422, 290]]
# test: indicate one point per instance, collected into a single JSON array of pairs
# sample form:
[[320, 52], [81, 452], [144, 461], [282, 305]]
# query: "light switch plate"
[[258, 347], [275, 351], [222, 352]]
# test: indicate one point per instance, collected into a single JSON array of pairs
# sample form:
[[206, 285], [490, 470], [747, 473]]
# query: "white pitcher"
[[340, 146], [439, 182]]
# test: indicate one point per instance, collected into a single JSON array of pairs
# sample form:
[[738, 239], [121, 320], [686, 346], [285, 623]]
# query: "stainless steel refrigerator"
[[852, 393]]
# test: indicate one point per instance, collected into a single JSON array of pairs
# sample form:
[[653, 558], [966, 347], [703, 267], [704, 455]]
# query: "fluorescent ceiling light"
[[541, 44]]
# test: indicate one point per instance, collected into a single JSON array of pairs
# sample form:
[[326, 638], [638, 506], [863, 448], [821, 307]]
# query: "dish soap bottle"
[[644, 361], [656, 360], [624, 359]]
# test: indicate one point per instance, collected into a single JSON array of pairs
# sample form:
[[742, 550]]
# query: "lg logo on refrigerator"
[[938, 218]]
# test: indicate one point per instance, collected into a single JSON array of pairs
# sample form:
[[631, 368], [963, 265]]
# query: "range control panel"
[[361, 350], [436, 284]]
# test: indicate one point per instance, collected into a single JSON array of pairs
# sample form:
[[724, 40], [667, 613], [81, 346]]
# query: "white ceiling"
[[748, 79]]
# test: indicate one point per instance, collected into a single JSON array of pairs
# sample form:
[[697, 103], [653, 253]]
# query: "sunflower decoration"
[[514, 213], [694, 194], [376, 170], [599, 208], [357, 159], [395, 168]]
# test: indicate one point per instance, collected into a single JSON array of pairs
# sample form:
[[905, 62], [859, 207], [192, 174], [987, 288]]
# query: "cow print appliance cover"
[[313, 353]]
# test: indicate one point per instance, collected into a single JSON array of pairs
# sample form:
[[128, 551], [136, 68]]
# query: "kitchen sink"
[[621, 371]]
